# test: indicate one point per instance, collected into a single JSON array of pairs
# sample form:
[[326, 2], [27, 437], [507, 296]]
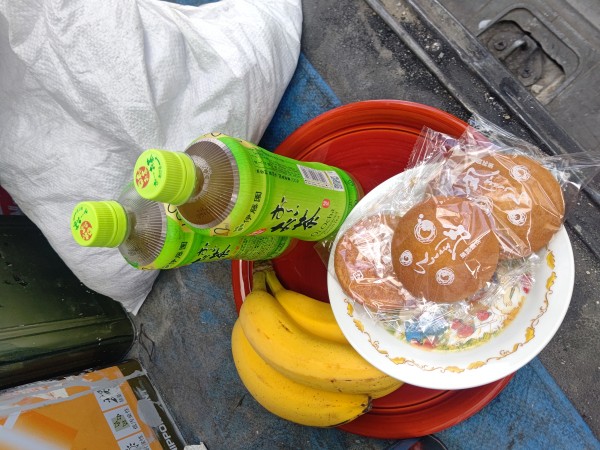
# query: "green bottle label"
[[284, 197], [250, 248], [184, 245], [253, 248]]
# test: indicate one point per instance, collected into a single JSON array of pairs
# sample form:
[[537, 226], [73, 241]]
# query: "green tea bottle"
[[151, 235], [231, 187]]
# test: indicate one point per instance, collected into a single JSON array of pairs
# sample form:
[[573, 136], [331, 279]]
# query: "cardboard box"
[[112, 408]]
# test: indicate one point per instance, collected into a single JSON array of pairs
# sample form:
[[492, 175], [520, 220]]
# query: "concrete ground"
[[361, 58]]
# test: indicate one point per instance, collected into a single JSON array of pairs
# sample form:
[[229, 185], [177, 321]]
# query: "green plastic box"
[[50, 323]]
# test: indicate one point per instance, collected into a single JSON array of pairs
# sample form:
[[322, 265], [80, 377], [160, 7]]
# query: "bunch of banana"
[[295, 364], [314, 316]]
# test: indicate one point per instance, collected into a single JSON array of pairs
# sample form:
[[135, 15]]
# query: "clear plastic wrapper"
[[445, 257], [526, 193]]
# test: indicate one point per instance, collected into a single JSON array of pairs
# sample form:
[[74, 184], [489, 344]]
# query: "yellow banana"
[[302, 356], [315, 316], [383, 392], [312, 315], [286, 398]]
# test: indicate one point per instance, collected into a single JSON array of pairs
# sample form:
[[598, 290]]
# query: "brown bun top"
[[523, 198], [444, 250], [363, 265]]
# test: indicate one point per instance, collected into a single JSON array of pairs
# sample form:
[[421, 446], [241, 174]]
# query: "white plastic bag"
[[87, 85]]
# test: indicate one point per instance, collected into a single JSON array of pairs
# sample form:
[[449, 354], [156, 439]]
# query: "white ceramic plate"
[[540, 316]]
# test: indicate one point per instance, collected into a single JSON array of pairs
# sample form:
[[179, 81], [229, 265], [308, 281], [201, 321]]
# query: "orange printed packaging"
[[112, 408]]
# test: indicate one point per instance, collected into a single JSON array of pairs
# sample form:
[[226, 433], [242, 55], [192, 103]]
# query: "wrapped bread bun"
[[522, 197], [363, 264], [444, 250]]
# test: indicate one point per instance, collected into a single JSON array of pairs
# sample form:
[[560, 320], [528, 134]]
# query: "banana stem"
[[273, 282], [259, 281]]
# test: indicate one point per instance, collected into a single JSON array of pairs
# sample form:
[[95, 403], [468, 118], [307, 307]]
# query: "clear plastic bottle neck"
[[146, 228]]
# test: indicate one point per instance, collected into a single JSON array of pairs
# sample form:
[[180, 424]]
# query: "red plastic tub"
[[372, 140]]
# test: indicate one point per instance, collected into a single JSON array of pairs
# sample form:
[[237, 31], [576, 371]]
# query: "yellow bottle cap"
[[165, 176], [99, 224]]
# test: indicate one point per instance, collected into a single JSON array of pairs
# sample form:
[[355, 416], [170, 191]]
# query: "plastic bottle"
[[151, 235], [232, 187]]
